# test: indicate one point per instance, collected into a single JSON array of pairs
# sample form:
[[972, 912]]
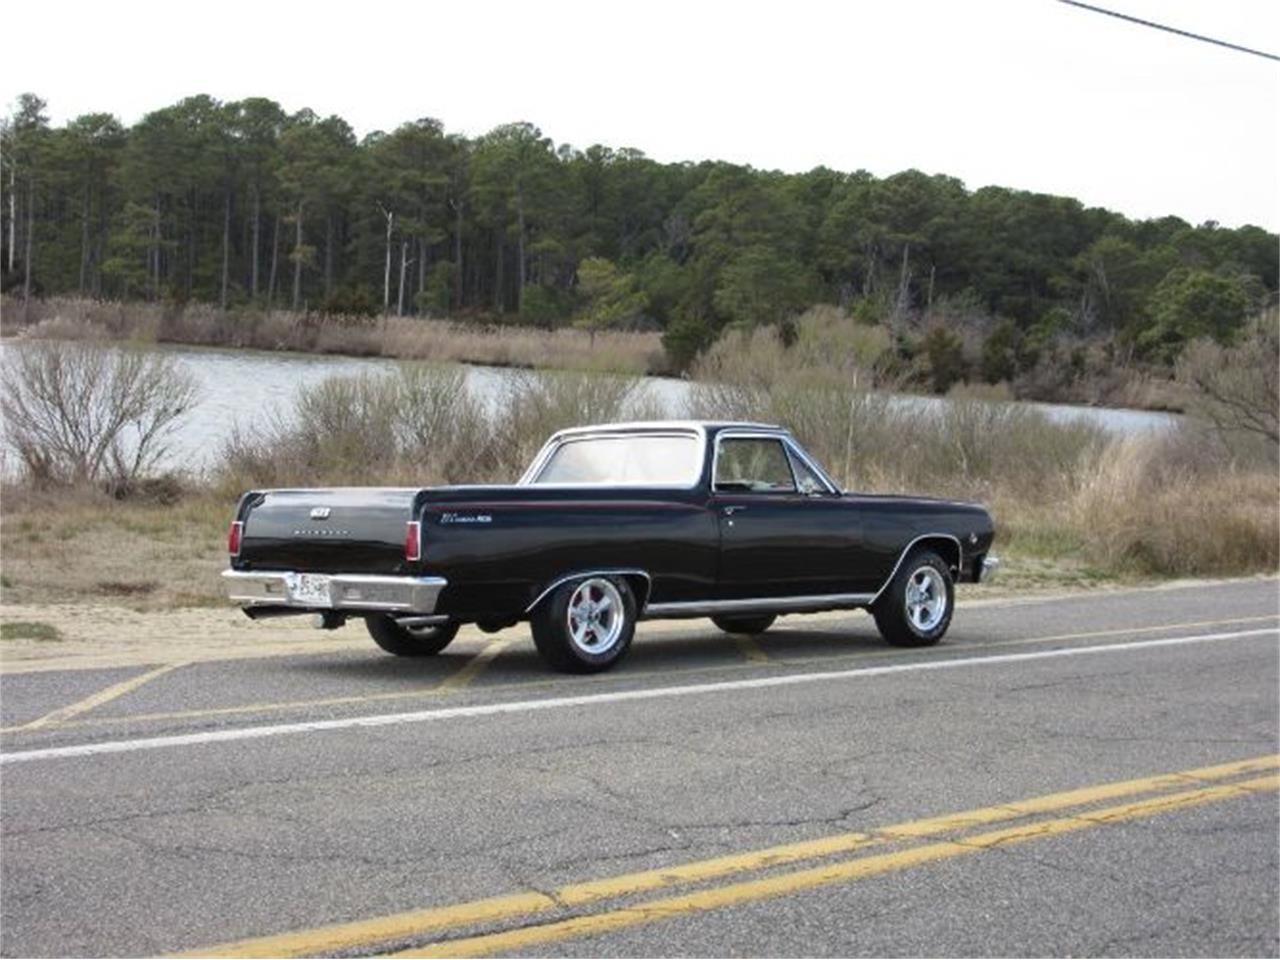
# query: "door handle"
[[731, 510]]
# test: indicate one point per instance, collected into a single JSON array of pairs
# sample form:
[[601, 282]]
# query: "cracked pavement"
[[168, 849]]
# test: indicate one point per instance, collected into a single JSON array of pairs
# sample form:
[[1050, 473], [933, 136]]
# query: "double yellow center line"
[[471, 923]]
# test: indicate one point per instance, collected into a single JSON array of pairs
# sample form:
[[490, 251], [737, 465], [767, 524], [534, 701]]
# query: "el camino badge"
[[319, 513], [465, 518]]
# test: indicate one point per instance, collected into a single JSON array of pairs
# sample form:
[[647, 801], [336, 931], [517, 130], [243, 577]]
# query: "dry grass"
[[1150, 513], [76, 545], [395, 337]]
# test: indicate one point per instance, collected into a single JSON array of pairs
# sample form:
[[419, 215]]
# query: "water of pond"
[[244, 387]]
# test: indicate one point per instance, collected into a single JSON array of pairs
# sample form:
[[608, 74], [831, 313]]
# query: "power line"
[[1161, 26]]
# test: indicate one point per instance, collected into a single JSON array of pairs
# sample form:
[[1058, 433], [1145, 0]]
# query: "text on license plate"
[[310, 588]]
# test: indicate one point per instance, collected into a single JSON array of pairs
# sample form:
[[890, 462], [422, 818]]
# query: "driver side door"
[[781, 535]]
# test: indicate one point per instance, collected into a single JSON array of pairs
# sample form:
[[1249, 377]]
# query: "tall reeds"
[[405, 338]]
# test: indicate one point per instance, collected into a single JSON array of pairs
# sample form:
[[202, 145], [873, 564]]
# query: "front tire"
[[586, 626], [915, 609], [409, 641], [749, 625]]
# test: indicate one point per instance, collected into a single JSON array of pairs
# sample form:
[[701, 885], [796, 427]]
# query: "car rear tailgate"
[[341, 530]]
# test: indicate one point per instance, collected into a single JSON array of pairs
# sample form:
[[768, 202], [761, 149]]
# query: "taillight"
[[233, 538], [413, 541]]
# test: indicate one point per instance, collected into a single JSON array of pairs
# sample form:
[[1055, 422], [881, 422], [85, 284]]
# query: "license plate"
[[310, 588]]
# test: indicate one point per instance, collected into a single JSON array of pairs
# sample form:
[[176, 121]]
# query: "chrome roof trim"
[[656, 428]]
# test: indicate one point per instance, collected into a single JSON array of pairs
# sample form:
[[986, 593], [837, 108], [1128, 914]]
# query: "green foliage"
[[1000, 353], [943, 353], [869, 311], [128, 248], [351, 301], [685, 337], [758, 286], [546, 306], [438, 293], [29, 630], [1190, 303], [609, 297], [664, 284], [240, 202]]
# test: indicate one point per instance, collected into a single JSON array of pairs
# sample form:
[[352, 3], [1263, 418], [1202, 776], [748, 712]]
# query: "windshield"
[[637, 459]]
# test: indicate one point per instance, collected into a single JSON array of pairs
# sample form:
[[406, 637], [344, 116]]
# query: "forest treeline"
[[242, 204]]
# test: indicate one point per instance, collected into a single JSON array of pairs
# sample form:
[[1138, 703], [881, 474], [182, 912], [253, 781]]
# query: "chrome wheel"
[[925, 599], [585, 626], [595, 616]]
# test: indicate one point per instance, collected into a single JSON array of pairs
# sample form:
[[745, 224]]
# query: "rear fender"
[[638, 580]]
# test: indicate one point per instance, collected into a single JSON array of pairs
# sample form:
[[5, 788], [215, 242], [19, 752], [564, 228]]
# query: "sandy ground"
[[111, 636], [102, 636]]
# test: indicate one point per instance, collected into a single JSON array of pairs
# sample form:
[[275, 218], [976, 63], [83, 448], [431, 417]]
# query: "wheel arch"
[[947, 546], [638, 580]]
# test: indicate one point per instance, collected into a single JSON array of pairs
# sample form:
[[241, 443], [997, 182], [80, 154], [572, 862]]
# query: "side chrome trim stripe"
[[907, 549], [582, 574], [699, 608]]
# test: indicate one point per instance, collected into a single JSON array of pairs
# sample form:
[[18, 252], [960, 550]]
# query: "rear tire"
[[748, 625], [409, 641], [915, 609], [586, 626]]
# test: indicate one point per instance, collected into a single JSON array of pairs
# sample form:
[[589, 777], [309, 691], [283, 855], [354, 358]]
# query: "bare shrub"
[[533, 405], [420, 425], [982, 446], [82, 413], [827, 386], [441, 426], [824, 346], [819, 383], [345, 426], [1237, 388]]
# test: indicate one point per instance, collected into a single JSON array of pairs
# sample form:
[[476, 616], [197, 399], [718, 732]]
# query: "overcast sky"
[[1031, 94]]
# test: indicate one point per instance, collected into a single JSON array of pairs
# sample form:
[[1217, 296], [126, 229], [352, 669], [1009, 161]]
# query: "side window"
[[758, 464], [806, 479]]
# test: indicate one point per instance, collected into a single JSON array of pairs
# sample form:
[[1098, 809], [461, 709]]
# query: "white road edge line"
[[591, 699]]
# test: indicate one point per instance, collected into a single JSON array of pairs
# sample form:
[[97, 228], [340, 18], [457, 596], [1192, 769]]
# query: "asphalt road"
[[1094, 775]]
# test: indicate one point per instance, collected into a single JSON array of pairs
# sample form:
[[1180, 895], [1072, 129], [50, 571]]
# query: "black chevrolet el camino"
[[609, 525]]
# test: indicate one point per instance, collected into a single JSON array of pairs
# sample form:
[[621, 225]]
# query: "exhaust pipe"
[[412, 622], [328, 620]]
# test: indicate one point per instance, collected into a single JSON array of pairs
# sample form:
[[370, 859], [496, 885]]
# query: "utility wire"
[[1161, 26]]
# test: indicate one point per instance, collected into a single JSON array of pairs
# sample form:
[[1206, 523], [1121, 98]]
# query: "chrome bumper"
[[336, 591], [990, 567]]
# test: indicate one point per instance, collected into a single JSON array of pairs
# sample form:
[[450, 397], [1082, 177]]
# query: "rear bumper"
[[345, 591]]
